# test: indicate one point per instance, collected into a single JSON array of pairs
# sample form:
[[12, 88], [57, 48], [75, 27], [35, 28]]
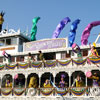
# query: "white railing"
[[51, 63], [65, 92]]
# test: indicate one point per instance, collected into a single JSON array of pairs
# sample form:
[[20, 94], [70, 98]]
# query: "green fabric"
[[79, 54], [34, 28]]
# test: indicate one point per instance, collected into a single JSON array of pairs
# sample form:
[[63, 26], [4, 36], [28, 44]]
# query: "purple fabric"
[[86, 32], [62, 84], [95, 83], [60, 26]]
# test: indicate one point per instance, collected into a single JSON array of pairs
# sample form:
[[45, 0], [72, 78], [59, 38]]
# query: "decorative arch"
[[46, 75], [58, 78], [33, 80], [19, 80], [7, 81]]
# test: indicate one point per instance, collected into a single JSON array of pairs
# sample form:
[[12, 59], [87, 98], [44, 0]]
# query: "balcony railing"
[[66, 92], [50, 63]]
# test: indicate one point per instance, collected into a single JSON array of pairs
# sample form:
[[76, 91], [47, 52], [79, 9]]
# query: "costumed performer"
[[8, 83], [8, 56], [33, 82], [47, 84], [95, 79], [41, 57], [94, 52], [78, 81], [62, 82], [76, 49]]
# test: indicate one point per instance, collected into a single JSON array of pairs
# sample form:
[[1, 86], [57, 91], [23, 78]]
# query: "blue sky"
[[19, 14]]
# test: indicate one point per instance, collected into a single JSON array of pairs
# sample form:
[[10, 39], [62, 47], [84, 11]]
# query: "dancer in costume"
[[76, 49], [8, 83], [33, 82], [1, 20], [47, 84], [41, 57], [29, 57], [95, 79], [62, 82], [78, 81], [8, 56], [94, 52]]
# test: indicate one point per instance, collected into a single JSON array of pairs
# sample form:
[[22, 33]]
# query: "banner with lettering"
[[46, 44]]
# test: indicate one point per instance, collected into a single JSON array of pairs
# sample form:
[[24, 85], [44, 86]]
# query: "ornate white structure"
[[59, 59]]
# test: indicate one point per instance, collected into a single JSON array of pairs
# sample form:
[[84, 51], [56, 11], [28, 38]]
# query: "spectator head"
[[40, 51]]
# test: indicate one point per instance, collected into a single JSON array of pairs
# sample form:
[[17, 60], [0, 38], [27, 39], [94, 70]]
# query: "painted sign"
[[46, 44], [9, 48]]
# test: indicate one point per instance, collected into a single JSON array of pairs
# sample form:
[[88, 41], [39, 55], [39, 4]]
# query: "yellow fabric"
[[1, 20], [79, 83], [8, 85], [95, 51], [33, 82], [95, 77], [47, 85], [94, 44]]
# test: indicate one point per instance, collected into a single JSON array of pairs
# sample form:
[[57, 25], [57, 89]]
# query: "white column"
[[54, 75], [13, 80], [17, 40], [26, 75], [69, 79], [0, 80], [40, 79], [86, 80]]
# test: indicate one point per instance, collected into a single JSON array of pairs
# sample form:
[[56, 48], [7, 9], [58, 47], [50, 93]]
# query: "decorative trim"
[[1, 67], [23, 65], [46, 91], [10, 66], [6, 91], [50, 63], [36, 64], [19, 92]]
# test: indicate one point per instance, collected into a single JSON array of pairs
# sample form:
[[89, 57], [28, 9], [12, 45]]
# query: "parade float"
[[48, 69]]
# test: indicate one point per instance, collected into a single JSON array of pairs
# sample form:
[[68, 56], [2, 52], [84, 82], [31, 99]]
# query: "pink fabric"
[[16, 76], [74, 45], [88, 74], [88, 60], [3, 53], [86, 32], [93, 52]]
